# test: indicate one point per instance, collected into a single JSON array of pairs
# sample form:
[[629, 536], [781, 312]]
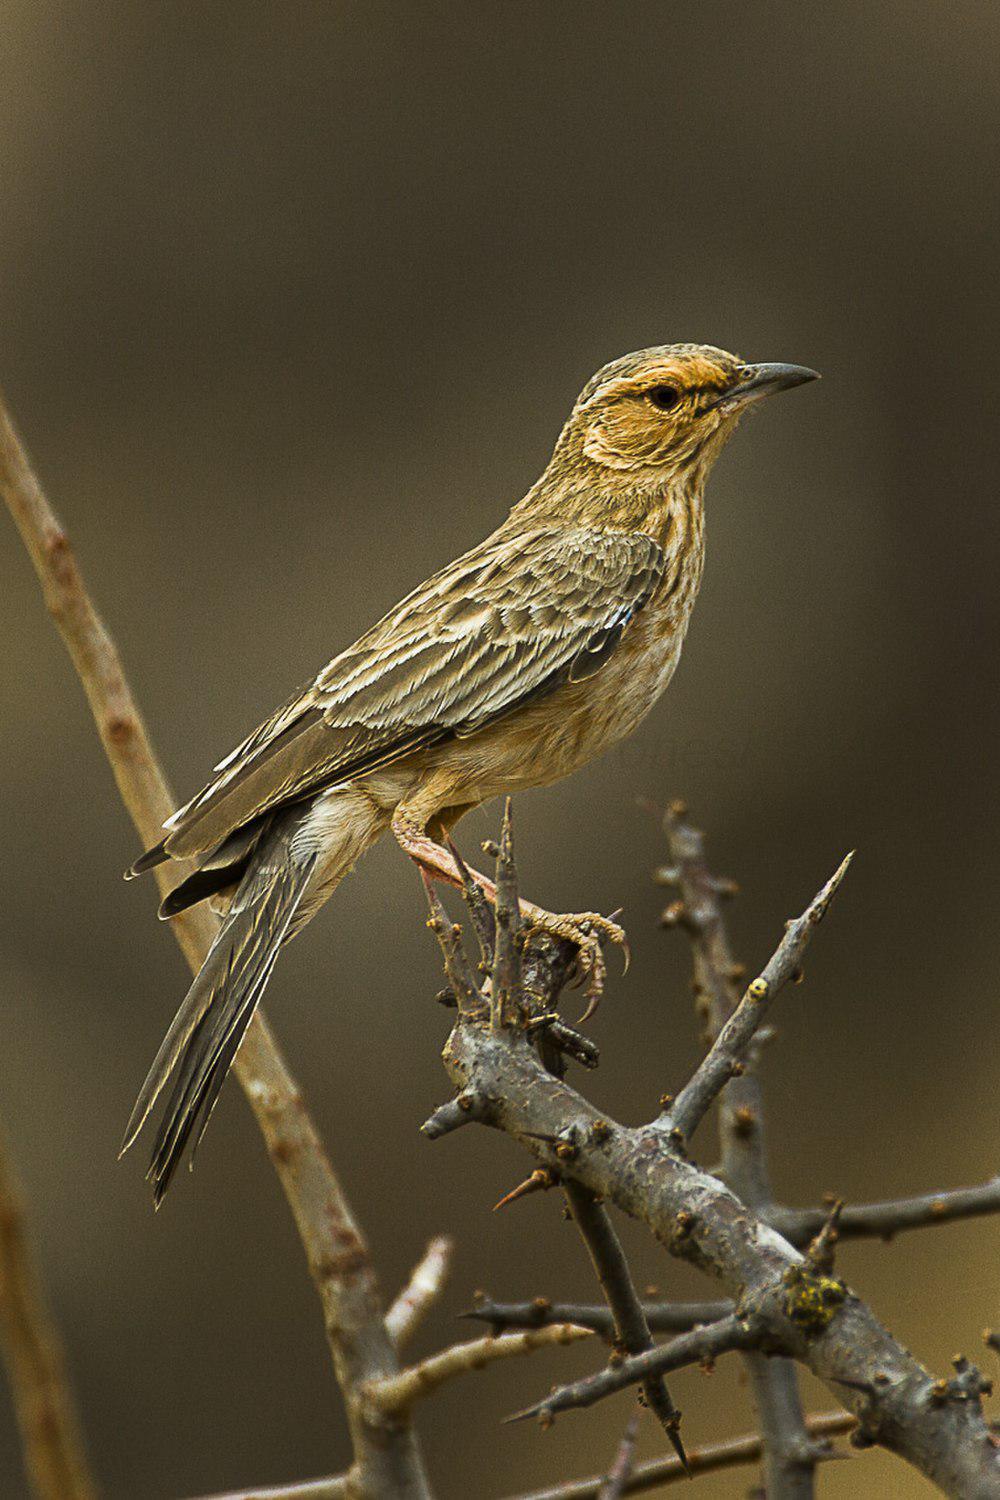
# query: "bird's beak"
[[759, 381]]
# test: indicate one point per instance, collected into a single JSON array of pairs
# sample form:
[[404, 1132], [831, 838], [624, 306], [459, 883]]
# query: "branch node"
[[462, 1110]]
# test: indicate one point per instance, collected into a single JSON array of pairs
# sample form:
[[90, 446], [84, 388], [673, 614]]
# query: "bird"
[[511, 667]]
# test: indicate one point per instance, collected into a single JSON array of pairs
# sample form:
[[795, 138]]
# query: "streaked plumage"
[[509, 668]]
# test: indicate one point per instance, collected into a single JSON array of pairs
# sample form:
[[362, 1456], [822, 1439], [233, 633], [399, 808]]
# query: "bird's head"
[[660, 413]]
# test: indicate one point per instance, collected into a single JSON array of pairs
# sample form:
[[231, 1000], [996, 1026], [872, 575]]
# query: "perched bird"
[[544, 645]]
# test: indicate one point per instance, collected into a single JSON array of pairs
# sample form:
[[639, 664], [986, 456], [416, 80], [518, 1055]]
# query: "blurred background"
[[294, 301]]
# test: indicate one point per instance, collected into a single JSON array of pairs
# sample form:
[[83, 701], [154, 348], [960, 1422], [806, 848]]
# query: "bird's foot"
[[588, 931]]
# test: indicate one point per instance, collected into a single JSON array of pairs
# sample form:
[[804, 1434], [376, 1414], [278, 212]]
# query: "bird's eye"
[[663, 397]]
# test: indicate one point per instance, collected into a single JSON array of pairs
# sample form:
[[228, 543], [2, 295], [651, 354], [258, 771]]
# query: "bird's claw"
[[588, 932]]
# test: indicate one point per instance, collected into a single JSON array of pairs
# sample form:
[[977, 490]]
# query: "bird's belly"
[[547, 740]]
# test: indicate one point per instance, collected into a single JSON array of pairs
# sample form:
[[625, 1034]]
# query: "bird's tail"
[[209, 1026]]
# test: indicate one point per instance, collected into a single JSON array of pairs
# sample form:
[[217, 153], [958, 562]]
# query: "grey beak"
[[759, 381]]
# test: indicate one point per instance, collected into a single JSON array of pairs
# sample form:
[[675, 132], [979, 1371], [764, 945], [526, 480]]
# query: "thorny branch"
[[631, 1331], [50, 1434], [892, 1216], [662, 1317], [386, 1455], [784, 1304], [726, 1058], [698, 1346], [663, 1471], [790, 1455]]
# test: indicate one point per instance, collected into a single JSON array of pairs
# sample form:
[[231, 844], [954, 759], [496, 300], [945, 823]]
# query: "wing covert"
[[503, 624]]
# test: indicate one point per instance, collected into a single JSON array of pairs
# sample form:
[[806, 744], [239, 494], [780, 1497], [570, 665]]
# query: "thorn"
[[539, 1182], [820, 1251], [475, 900]]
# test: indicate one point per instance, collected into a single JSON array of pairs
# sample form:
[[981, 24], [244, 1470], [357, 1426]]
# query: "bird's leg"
[[585, 930]]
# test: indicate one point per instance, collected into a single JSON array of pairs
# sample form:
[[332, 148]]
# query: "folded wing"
[[506, 623]]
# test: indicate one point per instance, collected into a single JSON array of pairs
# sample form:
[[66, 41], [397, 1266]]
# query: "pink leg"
[[586, 930]]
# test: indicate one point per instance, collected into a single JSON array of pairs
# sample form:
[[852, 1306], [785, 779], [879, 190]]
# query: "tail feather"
[[218, 871], [207, 1031], [156, 856]]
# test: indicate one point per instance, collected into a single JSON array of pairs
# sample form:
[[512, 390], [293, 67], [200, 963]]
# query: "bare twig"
[[337, 1254], [337, 1487], [423, 1289], [729, 1050], [938, 1426], [618, 1476], [892, 1216], [686, 1349], [507, 948], [790, 1455], [662, 1317], [457, 968], [663, 1471], [50, 1432], [632, 1334], [397, 1393]]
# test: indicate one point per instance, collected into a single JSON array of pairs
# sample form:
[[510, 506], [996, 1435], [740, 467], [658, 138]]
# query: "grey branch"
[[892, 1215], [790, 1454], [388, 1460], [631, 1335], [729, 1050], [617, 1478], [663, 1471], [662, 1317], [690, 1348], [53, 1449], [631, 1331], [938, 1426]]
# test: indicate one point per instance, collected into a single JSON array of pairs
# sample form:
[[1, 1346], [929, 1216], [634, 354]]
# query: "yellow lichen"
[[811, 1301]]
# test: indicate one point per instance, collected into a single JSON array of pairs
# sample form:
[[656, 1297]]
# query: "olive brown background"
[[294, 300]]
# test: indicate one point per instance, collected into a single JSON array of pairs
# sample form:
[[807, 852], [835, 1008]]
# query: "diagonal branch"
[[789, 1453], [396, 1394], [338, 1256], [423, 1289], [690, 1348], [617, 1478], [50, 1431], [728, 1052], [632, 1334], [663, 1471], [793, 1306]]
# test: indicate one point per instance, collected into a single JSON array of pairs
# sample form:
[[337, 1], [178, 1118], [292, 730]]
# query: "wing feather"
[[506, 622]]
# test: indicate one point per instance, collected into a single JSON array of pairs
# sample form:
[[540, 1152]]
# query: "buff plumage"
[[510, 667]]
